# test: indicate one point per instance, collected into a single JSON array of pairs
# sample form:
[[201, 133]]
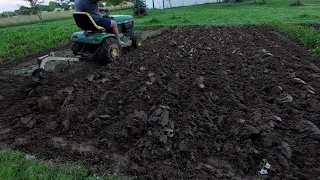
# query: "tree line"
[[37, 6], [52, 6]]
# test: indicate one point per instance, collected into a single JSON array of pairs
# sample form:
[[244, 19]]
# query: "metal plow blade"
[[51, 64]]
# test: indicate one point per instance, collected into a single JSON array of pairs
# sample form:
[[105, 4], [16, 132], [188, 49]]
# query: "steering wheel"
[[107, 13]]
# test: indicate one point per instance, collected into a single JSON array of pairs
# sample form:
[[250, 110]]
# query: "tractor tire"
[[110, 50], [76, 47], [136, 39], [135, 43]]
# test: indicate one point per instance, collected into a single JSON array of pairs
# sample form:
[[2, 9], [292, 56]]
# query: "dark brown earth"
[[191, 103]]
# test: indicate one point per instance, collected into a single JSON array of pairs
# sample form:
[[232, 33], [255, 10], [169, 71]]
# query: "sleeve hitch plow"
[[58, 68]]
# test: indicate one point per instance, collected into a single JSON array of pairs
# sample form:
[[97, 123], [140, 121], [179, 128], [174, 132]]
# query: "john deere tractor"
[[92, 43], [96, 42]]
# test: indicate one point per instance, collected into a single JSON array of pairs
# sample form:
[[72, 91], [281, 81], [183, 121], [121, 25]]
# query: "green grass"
[[236, 13], [20, 41], [308, 36], [15, 165], [47, 17], [33, 19]]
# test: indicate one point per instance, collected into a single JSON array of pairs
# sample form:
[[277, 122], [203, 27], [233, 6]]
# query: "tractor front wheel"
[[136, 41], [110, 49]]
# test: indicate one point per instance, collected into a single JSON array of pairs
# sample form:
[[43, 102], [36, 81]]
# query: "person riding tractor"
[[102, 39], [91, 7]]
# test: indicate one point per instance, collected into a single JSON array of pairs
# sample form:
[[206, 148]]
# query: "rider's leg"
[[115, 31], [110, 24]]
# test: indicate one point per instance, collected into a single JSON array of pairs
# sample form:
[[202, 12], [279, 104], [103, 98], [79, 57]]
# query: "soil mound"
[[192, 103]]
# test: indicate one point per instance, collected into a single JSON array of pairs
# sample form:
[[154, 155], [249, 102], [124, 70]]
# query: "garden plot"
[[192, 102]]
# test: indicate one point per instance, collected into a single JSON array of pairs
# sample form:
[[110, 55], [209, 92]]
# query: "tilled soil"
[[191, 103]]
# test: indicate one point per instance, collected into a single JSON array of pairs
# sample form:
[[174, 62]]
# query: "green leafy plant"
[[264, 169], [304, 15], [262, 2], [154, 20], [170, 4], [185, 20], [296, 3]]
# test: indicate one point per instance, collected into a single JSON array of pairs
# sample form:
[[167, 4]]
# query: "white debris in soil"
[[298, 80], [29, 157], [267, 166], [263, 171], [287, 99], [201, 84], [90, 78], [142, 68]]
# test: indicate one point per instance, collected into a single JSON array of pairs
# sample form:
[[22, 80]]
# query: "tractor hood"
[[122, 18]]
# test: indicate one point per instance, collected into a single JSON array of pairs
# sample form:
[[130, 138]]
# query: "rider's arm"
[[103, 8]]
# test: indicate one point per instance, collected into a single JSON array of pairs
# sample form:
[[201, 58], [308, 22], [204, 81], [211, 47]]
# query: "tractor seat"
[[85, 22]]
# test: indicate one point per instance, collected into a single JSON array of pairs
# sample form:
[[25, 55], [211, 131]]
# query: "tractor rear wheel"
[[110, 49]]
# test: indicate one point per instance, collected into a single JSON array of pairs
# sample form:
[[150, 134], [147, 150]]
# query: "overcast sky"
[[11, 5]]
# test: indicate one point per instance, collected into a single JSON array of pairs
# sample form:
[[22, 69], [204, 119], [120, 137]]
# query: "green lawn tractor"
[[94, 42]]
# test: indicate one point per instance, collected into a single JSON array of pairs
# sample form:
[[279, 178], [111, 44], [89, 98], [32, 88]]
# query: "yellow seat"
[[85, 22]]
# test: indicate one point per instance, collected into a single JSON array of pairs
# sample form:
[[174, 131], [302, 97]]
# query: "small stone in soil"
[[142, 68], [90, 78], [25, 120], [298, 80], [51, 125], [104, 80], [69, 90], [287, 99], [106, 116]]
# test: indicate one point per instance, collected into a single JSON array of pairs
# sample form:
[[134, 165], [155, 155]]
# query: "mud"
[[191, 103]]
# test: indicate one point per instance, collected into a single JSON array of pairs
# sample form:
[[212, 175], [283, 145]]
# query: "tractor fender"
[[95, 38]]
